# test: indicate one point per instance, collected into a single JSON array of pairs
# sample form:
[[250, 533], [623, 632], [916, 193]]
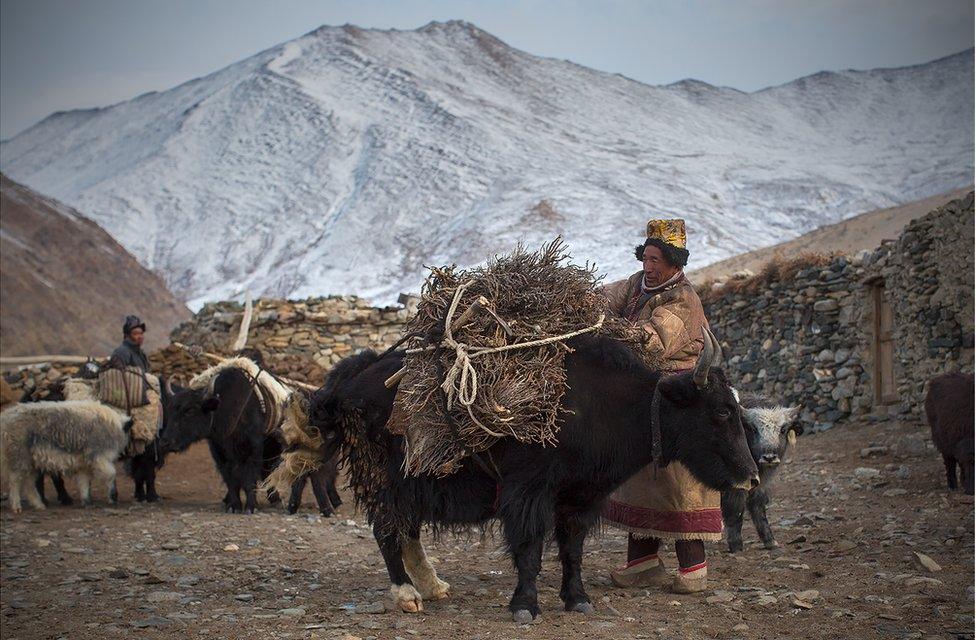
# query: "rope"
[[461, 381]]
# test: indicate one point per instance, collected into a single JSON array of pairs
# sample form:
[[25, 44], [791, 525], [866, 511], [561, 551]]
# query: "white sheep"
[[79, 438]]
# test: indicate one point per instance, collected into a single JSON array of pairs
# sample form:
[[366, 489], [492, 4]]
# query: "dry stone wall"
[[808, 334], [793, 339], [300, 339]]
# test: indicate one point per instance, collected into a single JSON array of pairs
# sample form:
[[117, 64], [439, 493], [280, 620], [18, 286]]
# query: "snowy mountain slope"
[[345, 160]]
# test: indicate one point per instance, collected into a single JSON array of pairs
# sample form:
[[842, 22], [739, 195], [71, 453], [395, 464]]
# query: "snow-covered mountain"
[[345, 160]]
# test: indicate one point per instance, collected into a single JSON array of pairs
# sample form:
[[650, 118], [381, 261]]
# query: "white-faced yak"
[[609, 413]]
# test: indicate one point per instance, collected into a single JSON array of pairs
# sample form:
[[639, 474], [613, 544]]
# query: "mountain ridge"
[[348, 158]]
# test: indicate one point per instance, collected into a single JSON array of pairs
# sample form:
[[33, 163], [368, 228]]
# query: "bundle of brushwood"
[[492, 361]]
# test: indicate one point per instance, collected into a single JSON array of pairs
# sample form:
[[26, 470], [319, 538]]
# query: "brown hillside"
[[66, 285], [864, 231]]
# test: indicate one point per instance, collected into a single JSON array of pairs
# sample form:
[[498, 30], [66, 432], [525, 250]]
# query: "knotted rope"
[[461, 380]]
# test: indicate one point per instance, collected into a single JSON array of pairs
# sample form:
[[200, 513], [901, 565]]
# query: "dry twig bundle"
[[495, 386]]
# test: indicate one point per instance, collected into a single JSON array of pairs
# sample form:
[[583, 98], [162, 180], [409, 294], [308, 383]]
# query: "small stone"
[[19, 604], [372, 607], [922, 580], [170, 546], [826, 306], [798, 539], [42, 542], [766, 600], [719, 596], [153, 621], [232, 547], [865, 473], [869, 452], [188, 581], [926, 562], [895, 493], [807, 596], [244, 597], [164, 596], [118, 574], [295, 612], [742, 626], [800, 604]]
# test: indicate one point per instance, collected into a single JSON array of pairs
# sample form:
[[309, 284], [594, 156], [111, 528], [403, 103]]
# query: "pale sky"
[[67, 54]]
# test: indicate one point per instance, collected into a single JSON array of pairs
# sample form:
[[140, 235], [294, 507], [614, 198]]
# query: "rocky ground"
[[873, 546]]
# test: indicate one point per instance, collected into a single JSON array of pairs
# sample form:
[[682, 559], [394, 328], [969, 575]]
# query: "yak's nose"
[[769, 458], [751, 483]]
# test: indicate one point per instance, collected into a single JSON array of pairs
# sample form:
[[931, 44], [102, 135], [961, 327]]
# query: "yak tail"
[[303, 446]]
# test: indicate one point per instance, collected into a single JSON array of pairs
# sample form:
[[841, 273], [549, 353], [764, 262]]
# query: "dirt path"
[[171, 569]]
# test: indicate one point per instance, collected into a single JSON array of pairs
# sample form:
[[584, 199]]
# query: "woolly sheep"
[[81, 438]]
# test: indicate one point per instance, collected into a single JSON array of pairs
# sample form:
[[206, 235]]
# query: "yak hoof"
[[772, 544], [152, 498], [522, 616], [66, 502], [292, 509], [407, 598], [439, 590], [585, 608], [326, 513]]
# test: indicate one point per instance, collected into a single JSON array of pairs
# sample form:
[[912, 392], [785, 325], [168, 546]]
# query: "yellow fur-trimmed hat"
[[670, 231]]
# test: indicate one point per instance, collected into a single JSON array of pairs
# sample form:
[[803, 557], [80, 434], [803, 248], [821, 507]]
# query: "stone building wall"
[[926, 277], [806, 331]]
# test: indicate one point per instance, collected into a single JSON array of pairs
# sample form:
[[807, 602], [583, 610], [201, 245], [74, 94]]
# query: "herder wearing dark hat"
[[673, 505], [130, 353]]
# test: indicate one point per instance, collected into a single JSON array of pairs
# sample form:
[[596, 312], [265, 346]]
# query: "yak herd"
[[617, 417]]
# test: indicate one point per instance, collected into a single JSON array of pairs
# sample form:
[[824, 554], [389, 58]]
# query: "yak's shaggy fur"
[[82, 438], [531, 296], [949, 410], [206, 378]]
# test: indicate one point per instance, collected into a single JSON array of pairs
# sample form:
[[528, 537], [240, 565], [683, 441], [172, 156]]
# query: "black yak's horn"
[[718, 356], [705, 360]]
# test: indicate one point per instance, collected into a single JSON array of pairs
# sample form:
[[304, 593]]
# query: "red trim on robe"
[[700, 521]]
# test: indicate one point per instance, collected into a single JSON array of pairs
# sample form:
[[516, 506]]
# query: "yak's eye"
[[723, 413]]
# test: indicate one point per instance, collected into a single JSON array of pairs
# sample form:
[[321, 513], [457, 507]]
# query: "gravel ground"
[[849, 521]]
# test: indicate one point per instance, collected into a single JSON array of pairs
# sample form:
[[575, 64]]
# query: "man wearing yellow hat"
[[671, 505]]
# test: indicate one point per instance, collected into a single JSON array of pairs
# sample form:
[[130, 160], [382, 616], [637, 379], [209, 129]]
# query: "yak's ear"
[[679, 390], [210, 404]]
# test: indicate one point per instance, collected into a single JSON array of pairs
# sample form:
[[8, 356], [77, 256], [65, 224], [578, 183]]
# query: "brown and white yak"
[[605, 437]]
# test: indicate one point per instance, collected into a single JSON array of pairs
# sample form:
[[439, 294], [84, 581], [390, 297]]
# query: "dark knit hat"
[[132, 322]]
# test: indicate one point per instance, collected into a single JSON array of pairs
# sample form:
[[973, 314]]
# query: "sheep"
[[770, 430], [949, 410], [82, 438]]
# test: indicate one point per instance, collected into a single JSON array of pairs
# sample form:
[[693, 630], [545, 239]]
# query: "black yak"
[[604, 438], [229, 413], [949, 409]]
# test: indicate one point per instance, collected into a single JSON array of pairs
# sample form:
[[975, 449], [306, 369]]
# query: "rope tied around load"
[[461, 380]]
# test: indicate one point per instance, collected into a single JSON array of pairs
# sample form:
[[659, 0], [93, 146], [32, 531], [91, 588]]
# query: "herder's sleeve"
[[616, 294]]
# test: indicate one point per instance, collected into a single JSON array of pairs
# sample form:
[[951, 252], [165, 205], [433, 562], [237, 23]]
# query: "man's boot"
[[691, 580], [648, 571]]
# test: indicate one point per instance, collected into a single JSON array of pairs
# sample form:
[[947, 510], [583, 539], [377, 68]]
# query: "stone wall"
[[789, 336], [300, 339], [805, 331], [926, 277]]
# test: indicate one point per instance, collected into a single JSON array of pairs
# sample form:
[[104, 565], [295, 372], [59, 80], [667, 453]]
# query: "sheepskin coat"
[[60, 436], [673, 317], [669, 504]]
